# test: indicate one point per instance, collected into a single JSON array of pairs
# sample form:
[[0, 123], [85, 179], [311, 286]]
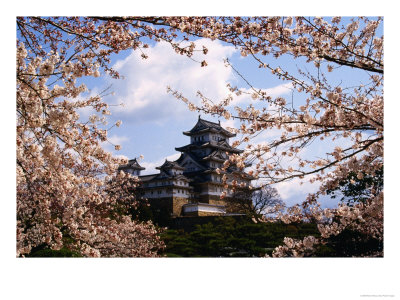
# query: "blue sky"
[[153, 120]]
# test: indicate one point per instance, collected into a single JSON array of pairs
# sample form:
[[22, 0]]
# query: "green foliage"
[[350, 243], [46, 252], [354, 189], [229, 237]]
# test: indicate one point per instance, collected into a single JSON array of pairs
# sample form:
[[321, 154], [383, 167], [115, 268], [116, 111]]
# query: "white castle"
[[190, 185]]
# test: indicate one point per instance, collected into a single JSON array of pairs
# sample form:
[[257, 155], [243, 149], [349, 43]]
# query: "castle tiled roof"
[[162, 177], [205, 126], [170, 165], [132, 164], [219, 145], [193, 159], [216, 155], [150, 177]]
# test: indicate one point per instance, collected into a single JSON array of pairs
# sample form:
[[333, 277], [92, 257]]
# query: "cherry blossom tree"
[[348, 119], [68, 191]]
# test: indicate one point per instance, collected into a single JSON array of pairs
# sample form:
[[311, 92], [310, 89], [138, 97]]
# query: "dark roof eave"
[[167, 186], [230, 149], [123, 167], [213, 158], [223, 131], [147, 177]]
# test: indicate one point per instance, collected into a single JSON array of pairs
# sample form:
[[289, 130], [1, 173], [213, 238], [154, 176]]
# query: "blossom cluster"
[[296, 248]]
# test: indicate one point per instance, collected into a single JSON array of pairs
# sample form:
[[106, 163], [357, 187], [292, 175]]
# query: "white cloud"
[[230, 123], [289, 189], [267, 136], [143, 91], [279, 90], [245, 98], [118, 140]]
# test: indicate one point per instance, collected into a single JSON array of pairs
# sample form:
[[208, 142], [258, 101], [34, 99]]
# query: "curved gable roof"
[[170, 165], [132, 164], [204, 126], [187, 157]]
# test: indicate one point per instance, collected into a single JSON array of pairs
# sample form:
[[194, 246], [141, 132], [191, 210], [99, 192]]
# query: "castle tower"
[[132, 167], [168, 190], [208, 149], [191, 186]]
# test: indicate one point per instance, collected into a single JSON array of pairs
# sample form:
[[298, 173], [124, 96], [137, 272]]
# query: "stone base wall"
[[170, 205], [217, 201], [211, 199], [206, 214], [173, 205], [177, 204]]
